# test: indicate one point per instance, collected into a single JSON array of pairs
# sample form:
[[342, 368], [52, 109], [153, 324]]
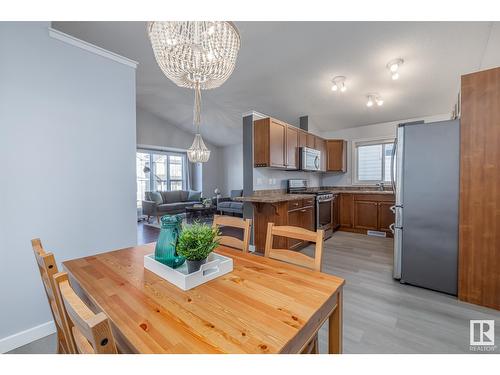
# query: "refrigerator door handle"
[[393, 155]]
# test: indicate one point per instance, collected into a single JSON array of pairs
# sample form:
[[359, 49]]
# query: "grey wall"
[[232, 165], [67, 151], [155, 132]]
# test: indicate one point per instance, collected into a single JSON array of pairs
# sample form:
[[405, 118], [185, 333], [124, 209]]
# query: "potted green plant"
[[195, 243]]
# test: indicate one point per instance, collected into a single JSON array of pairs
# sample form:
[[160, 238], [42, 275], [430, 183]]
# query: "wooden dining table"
[[262, 306]]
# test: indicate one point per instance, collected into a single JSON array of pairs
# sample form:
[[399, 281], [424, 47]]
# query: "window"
[[372, 162], [159, 171]]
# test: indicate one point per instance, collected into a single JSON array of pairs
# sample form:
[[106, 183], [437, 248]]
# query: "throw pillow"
[[194, 195], [155, 196]]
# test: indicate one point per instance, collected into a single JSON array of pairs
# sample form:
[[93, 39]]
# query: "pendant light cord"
[[197, 107]]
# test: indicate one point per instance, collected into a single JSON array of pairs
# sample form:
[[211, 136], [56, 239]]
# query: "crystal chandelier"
[[199, 55]]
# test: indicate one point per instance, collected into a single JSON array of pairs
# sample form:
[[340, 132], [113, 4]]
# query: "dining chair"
[[234, 222], [91, 332], [47, 267], [297, 258]]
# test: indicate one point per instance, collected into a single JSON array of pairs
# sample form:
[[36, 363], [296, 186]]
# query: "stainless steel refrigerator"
[[426, 183]]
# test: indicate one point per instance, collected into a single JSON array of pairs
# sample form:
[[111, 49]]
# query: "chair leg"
[[315, 349], [59, 347], [148, 218], [158, 219]]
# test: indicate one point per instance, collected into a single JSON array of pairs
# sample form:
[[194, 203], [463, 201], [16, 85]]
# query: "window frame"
[[368, 142], [152, 181]]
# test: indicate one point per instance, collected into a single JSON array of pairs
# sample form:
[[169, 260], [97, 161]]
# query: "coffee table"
[[200, 214]]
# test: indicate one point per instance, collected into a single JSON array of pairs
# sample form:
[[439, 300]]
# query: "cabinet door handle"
[[302, 210]]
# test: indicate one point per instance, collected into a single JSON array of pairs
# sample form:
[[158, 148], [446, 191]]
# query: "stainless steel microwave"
[[310, 159]]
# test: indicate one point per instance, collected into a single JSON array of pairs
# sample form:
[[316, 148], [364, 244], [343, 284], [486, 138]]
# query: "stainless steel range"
[[323, 204]]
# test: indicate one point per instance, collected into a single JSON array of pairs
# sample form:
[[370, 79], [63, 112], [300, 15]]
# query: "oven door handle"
[[326, 200]]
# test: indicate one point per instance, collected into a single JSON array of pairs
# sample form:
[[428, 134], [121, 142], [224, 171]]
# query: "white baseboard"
[[25, 337]]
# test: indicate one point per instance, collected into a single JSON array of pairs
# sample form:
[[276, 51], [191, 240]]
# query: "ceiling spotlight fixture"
[[338, 83], [374, 98], [394, 66]]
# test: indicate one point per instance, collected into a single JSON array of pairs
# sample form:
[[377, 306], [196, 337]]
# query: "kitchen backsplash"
[[269, 179]]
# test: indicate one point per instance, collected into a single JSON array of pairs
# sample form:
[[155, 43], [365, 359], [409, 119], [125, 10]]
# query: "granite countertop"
[[281, 196], [272, 198], [385, 192]]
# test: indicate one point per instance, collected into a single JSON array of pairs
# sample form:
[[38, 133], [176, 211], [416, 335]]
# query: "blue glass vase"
[[167, 241]]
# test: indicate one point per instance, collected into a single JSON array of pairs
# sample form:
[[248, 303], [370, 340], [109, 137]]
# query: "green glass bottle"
[[167, 241]]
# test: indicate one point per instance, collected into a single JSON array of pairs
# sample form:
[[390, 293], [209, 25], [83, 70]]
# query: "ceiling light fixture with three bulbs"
[[394, 66], [338, 84], [374, 99]]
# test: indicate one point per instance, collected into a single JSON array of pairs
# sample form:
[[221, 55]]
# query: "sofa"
[[229, 206], [159, 203]]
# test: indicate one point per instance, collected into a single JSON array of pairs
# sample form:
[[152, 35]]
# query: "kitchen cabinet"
[[302, 138], [385, 216], [320, 145], [336, 160], [365, 215], [360, 212], [310, 140], [479, 238], [269, 143], [292, 151], [276, 145], [335, 212], [346, 206], [301, 217], [295, 212]]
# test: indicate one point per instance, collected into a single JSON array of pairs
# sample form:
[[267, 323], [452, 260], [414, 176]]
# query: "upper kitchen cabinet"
[[310, 140], [292, 144], [336, 150], [302, 138], [320, 145], [275, 144], [269, 143]]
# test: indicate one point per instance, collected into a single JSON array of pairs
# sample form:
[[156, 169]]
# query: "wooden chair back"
[[291, 256], [47, 267], [234, 222], [91, 332]]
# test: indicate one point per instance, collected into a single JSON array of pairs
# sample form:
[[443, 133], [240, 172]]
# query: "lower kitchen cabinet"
[[365, 215], [298, 212], [385, 216], [336, 212], [363, 212], [346, 204], [301, 217]]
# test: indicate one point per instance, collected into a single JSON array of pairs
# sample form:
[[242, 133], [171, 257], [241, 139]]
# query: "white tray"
[[216, 265]]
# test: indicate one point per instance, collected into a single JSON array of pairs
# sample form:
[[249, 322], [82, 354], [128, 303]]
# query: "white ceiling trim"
[[59, 35]]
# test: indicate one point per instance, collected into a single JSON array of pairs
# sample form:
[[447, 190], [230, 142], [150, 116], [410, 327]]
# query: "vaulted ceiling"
[[284, 69]]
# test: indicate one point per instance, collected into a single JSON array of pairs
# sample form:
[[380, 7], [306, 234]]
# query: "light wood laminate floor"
[[380, 314]]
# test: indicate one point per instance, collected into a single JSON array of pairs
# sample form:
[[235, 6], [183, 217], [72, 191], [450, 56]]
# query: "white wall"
[[67, 151], [376, 131], [232, 166], [491, 56], [153, 131], [268, 178]]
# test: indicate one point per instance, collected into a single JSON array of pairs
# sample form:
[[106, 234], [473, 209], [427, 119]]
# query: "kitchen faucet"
[[380, 186]]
